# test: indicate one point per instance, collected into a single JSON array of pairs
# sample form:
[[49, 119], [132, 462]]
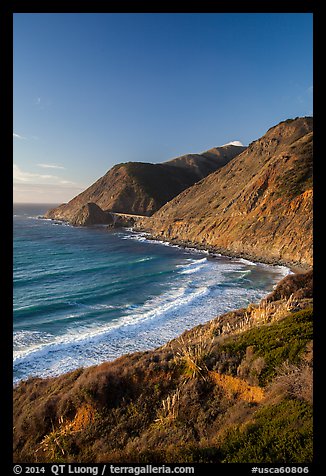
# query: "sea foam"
[[84, 296]]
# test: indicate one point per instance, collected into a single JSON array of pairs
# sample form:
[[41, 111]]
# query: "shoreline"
[[296, 268], [201, 251]]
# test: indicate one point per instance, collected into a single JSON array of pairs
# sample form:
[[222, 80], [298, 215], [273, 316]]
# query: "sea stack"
[[91, 214]]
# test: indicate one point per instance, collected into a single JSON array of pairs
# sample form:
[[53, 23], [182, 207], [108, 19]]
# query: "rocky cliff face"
[[142, 188], [259, 205]]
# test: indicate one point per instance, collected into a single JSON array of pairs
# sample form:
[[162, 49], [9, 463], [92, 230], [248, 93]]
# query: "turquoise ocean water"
[[86, 295]]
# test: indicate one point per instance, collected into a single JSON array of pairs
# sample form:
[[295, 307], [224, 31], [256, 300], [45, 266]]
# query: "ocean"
[[83, 296]]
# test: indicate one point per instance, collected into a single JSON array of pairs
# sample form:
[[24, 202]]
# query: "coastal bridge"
[[126, 219]]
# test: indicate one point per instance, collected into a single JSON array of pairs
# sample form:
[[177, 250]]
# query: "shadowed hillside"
[[259, 205], [142, 188]]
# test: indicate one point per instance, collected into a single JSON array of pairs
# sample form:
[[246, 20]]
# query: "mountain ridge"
[[230, 390], [257, 205], [142, 188]]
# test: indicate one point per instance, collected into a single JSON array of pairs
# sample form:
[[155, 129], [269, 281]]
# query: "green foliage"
[[197, 454], [177, 453], [284, 340], [279, 434], [141, 409]]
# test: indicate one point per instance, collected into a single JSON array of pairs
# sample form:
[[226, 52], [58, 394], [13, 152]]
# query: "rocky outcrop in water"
[[91, 214]]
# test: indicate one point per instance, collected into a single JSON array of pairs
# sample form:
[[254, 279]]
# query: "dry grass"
[[236, 387], [253, 316], [269, 312], [169, 410], [295, 381], [54, 443], [265, 312]]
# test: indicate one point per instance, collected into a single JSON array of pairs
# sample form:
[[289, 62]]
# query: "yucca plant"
[[194, 355], [54, 442]]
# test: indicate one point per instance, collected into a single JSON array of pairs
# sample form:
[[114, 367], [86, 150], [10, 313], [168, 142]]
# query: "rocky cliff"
[[142, 188], [259, 205]]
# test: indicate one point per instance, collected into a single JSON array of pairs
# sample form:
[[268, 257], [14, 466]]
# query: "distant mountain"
[[259, 205], [201, 165], [142, 188]]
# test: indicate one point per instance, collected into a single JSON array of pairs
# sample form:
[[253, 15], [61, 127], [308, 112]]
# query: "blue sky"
[[93, 90]]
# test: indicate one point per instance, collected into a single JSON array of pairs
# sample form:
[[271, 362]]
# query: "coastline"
[[211, 250], [224, 371], [295, 268], [240, 354], [191, 288]]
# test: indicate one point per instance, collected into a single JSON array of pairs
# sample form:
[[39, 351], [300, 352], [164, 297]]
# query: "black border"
[[6, 336], [102, 6]]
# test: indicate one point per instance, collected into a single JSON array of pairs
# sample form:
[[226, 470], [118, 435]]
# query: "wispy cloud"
[[67, 182], [42, 103], [17, 136], [44, 193], [22, 177], [51, 166]]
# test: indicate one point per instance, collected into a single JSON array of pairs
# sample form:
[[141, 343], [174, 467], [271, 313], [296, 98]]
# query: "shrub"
[[279, 434], [299, 285], [286, 339], [295, 381]]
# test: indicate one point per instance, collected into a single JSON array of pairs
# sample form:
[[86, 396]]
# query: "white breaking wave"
[[201, 289], [194, 266], [148, 258], [26, 338], [246, 261], [154, 309], [145, 238]]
